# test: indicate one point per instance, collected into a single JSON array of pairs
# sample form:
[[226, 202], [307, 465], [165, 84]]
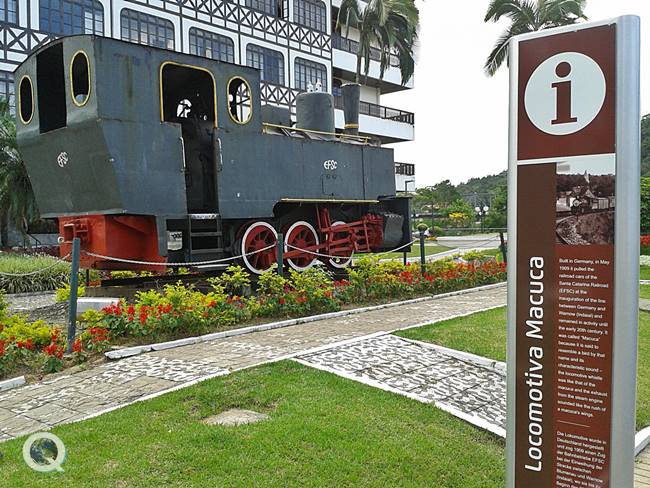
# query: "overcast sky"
[[461, 115]]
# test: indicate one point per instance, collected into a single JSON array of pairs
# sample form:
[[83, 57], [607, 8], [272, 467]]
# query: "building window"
[[211, 45], [309, 72], [270, 7], [7, 89], [336, 88], [8, 11], [269, 62], [68, 17], [146, 29], [310, 13]]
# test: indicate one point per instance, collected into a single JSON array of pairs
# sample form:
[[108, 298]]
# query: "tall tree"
[[439, 195], [528, 16], [645, 145], [391, 26], [17, 200]]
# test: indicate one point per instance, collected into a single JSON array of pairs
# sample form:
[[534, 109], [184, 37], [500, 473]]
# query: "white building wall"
[[228, 18]]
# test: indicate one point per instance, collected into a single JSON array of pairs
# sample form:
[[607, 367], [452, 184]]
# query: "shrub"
[[63, 294], [16, 328], [54, 273], [234, 281], [32, 345]]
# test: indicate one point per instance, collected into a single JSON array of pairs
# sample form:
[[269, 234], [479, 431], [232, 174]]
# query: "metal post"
[[423, 260], [74, 284], [280, 254], [87, 278], [404, 257], [504, 250]]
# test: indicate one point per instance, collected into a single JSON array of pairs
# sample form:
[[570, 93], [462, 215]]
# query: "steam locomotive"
[[154, 156]]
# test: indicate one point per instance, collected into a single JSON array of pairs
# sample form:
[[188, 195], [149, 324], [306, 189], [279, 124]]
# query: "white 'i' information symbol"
[[565, 93]]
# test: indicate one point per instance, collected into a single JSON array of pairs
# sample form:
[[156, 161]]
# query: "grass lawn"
[[484, 333], [324, 431], [644, 291], [645, 273]]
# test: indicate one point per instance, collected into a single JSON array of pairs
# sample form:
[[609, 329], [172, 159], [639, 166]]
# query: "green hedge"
[[57, 274]]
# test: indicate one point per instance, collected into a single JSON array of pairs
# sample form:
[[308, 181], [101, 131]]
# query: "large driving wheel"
[[301, 235], [257, 236], [346, 254]]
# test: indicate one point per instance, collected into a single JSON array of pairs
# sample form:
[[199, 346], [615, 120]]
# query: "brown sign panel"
[[565, 259], [565, 90]]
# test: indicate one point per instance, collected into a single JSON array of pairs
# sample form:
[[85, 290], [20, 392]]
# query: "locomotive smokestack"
[[351, 93], [315, 112]]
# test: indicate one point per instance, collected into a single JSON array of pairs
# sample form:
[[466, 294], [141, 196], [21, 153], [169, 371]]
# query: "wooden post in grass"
[[280, 253], [423, 259], [74, 284]]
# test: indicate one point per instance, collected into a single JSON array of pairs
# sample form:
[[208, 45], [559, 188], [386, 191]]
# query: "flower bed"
[[180, 310], [645, 245]]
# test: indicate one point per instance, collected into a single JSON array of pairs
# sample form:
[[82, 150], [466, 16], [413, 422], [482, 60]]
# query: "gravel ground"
[[39, 307]]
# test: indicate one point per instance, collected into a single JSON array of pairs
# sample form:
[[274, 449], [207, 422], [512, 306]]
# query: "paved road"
[[479, 241], [70, 397]]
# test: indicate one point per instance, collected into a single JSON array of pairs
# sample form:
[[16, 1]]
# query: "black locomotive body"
[[157, 156]]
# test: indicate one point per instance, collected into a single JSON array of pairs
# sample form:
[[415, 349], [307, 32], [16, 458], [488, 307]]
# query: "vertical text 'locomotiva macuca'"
[[534, 374]]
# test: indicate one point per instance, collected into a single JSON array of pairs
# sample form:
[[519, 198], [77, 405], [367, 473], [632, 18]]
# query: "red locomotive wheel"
[[259, 235], [301, 235], [346, 254]]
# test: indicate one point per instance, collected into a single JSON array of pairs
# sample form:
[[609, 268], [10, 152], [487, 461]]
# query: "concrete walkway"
[[65, 398], [642, 469]]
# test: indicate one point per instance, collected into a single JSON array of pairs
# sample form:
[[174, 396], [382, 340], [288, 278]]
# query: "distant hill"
[[487, 185]]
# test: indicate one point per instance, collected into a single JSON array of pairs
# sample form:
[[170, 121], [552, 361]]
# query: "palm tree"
[[390, 26], [528, 16], [17, 202]]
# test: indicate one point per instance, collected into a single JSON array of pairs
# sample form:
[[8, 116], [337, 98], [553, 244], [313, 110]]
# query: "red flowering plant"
[[645, 245], [53, 360], [79, 353]]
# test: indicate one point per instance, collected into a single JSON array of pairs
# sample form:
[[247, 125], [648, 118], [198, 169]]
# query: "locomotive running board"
[[325, 200]]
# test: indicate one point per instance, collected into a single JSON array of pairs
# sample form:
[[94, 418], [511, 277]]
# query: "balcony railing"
[[406, 169], [286, 97], [374, 110], [345, 44]]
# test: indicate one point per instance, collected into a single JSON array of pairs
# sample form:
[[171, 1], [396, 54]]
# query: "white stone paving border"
[[480, 361], [476, 421], [134, 351], [641, 440], [12, 383]]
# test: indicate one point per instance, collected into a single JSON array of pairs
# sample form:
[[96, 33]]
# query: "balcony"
[[404, 177], [344, 64], [406, 169], [388, 124], [350, 46], [379, 111]]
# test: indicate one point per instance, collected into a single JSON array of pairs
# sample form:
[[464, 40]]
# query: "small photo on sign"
[[585, 201]]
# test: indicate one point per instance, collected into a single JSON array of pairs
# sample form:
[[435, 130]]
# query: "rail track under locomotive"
[[163, 157]]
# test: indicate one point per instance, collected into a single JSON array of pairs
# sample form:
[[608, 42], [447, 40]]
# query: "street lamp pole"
[[482, 212]]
